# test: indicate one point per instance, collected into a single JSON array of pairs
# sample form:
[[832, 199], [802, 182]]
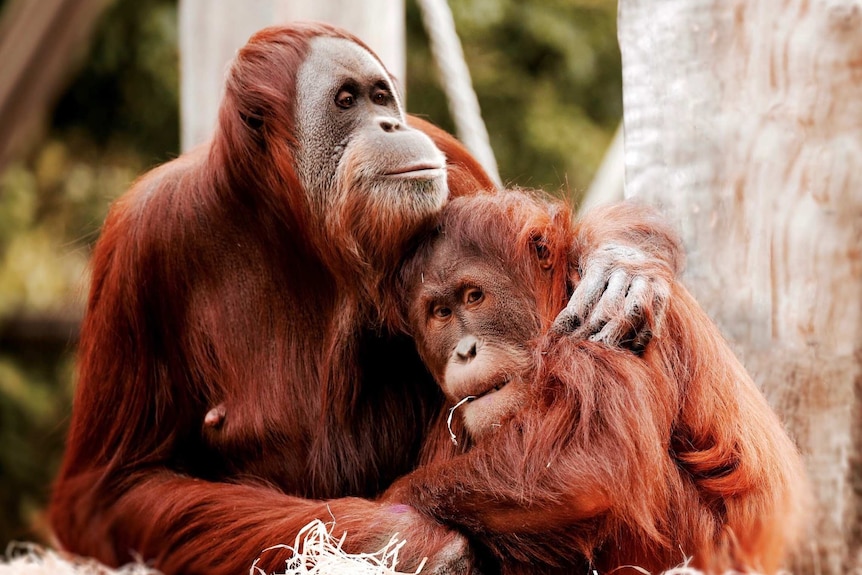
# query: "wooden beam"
[[39, 41], [25, 333]]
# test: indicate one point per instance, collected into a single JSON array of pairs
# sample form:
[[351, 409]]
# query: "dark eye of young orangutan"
[[345, 99], [440, 312], [474, 296]]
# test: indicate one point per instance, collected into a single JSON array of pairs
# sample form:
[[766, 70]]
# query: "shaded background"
[[547, 74]]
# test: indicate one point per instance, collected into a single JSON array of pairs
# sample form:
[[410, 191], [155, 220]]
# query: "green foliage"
[[127, 94], [119, 116], [32, 412], [547, 74], [548, 77]]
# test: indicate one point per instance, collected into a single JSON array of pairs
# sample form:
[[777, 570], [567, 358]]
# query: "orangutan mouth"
[[416, 171], [493, 389]]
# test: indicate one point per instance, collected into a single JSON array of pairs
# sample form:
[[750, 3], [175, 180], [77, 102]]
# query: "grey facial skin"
[[349, 113]]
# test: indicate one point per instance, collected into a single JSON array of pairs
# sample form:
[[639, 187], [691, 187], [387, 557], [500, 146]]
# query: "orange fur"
[[213, 285], [614, 459]]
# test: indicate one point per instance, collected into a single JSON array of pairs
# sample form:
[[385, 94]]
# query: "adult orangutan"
[[238, 373], [577, 457]]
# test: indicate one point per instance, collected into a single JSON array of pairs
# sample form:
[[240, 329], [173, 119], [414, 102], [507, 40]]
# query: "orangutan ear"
[[543, 252]]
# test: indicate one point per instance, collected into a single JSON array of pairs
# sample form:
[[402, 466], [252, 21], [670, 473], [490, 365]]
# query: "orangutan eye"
[[345, 99], [380, 98], [381, 94], [441, 312], [474, 296]]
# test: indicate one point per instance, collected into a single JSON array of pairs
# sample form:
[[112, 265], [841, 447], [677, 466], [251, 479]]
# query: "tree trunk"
[[743, 123], [211, 32]]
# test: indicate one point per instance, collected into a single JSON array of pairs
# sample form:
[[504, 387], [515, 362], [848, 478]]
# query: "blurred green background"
[[547, 74]]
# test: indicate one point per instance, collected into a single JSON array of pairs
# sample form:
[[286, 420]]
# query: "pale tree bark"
[[743, 123], [211, 32]]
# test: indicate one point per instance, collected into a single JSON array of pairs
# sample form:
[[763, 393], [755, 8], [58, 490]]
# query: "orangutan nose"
[[389, 124], [466, 348]]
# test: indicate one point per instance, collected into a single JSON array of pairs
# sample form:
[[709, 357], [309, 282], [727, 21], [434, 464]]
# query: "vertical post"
[[211, 32], [743, 122]]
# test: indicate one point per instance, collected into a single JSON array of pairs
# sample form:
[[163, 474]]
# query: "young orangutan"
[[574, 456]]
